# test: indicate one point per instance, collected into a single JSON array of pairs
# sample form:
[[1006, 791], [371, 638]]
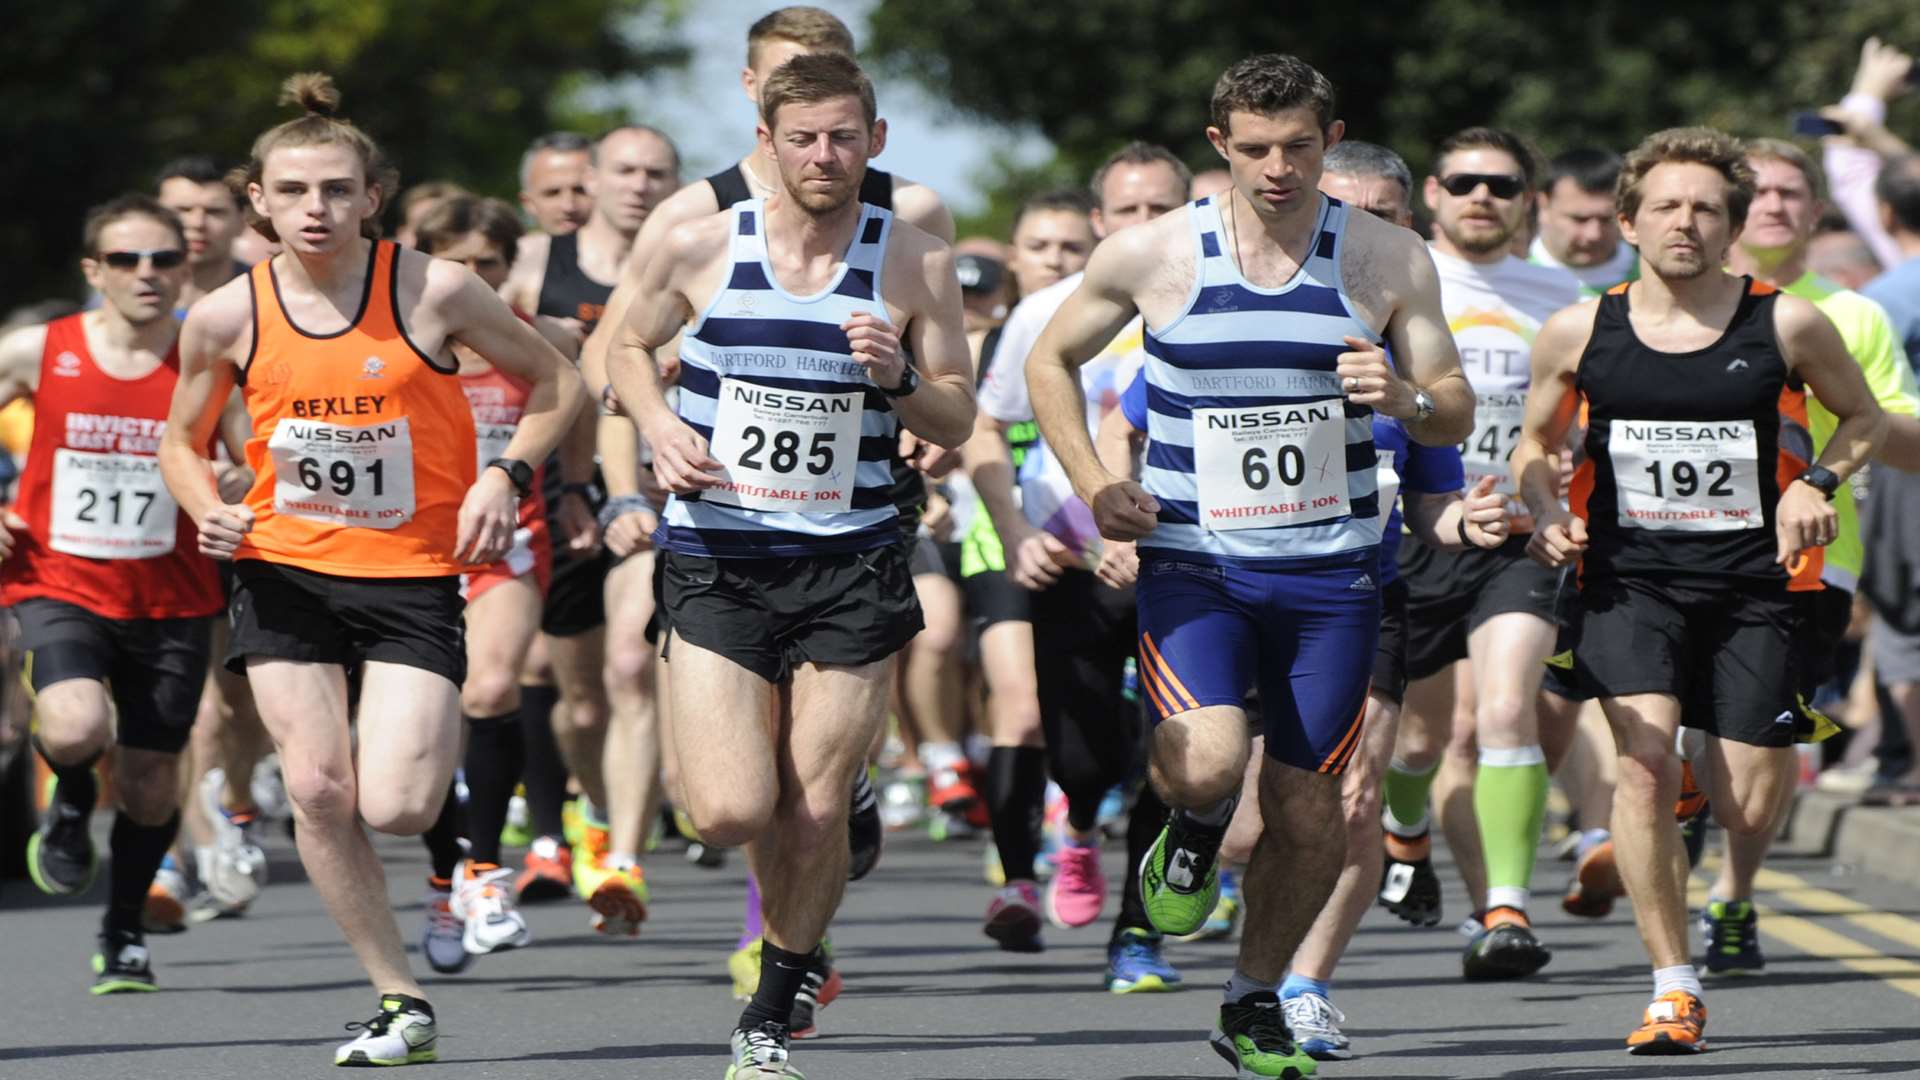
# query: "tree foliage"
[[99, 94], [1095, 73]]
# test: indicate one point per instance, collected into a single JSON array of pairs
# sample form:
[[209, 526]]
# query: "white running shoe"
[[444, 941], [1315, 1024], [237, 869], [269, 790], [761, 1054], [401, 1033], [483, 900]]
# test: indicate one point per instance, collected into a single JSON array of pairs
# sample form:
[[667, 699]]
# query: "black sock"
[[1143, 827], [544, 773], [443, 837], [78, 788], [137, 850], [495, 754], [781, 973], [1016, 793], [1083, 809]]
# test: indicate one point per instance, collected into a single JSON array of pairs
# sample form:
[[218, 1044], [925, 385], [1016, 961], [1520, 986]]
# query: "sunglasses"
[[162, 259], [1499, 185]]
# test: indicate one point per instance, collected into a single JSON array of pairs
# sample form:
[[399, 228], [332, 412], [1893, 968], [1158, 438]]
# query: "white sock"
[[1512, 896], [1242, 984], [1215, 816], [1678, 977], [940, 756]]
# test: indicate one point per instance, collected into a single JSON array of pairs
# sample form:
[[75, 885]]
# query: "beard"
[[822, 202], [1480, 240]]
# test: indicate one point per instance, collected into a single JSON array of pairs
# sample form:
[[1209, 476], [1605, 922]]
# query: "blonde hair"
[[1697, 145], [321, 125]]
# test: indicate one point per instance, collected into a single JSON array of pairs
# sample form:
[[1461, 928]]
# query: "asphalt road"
[[929, 997]]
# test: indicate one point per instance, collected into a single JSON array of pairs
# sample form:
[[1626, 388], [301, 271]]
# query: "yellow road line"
[[1812, 938]]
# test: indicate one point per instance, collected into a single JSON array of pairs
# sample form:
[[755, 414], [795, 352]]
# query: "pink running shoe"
[[1078, 890], [1013, 919]]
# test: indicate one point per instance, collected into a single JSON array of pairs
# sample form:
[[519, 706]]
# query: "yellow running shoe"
[[616, 893], [744, 966]]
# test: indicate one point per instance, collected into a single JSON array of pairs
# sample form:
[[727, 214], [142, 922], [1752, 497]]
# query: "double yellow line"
[[1783, 890]]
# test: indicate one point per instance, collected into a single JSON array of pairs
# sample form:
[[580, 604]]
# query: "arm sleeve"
[[1133, 401], [1433, 470], [1851, 172]]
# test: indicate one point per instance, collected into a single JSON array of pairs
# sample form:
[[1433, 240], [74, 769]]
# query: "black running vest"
[[566, 292]]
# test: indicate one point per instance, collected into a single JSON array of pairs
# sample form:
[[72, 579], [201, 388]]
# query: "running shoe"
[[1135, 964], [761, 1054], [1505, 948], [1675, 1023], [1180, 876], [1226, 914], [236, 870], [699, 852], [616, 892], [547, 873], [401, 1033], [1315, 1024], [1013, 918], [122, 964], [596, 842], [1408, 887], [60, 855], [817, 991], [903, 802], [1111, 818], [864, 830], [1692, 799], [166, 908], [951, 790], [444, 938], [483, 902], [1078, 890], [1693, 837], [1253, 1038], [573, 821], [269, 790], [991, 869], [1729, 928], [518, 831], [744, 968], [1596, 884]]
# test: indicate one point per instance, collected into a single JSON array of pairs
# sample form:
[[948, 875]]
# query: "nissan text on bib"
[[785, 450], [1269, 465], [110, 506], [345, 475], [1686, 475]]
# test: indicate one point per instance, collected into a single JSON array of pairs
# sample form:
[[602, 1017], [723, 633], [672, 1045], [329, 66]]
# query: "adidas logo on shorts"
[[1363, 583]]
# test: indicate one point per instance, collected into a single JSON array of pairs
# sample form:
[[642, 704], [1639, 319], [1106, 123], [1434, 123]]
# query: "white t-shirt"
[[1595, 279]]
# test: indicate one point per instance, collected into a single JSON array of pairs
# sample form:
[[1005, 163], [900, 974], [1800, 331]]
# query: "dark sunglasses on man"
[[162, 258], [1499, 185]]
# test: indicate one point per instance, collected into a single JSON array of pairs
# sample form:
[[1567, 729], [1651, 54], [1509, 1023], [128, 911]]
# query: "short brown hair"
[[126, 206], [314, 92], [811, 28], [1782, 150], [463, 214], [1269, 84], [1490, 138], [812, 77], [1138, 152], [429, 191], [1699, 145]]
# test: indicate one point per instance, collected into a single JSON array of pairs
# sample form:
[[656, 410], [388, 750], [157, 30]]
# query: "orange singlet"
[[362, 447]]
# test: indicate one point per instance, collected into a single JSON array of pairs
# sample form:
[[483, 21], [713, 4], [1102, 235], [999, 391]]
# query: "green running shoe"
[[1180, 876], [60, 855], [1253, 1037], [122, 966]]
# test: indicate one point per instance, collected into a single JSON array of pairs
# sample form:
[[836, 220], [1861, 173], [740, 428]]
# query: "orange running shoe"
[[547, 874], [1676, 1023], [1596, 884], [1692, 800], [617, 895], [952, 791]]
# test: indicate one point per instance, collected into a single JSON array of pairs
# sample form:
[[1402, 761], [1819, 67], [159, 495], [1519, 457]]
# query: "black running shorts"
[[1450, 593], [992, 597], [1824, 615], [1390, 656], [1727, 654], [577, 596], [768, 615], [287, 613], [154, 668]]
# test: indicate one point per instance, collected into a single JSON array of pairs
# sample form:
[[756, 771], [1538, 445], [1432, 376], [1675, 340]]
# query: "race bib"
[[345, 475], [1496, 431], [1271, 464], [1387, 480], [489, 442], [110, 506], [1686, 476], [791, 450]]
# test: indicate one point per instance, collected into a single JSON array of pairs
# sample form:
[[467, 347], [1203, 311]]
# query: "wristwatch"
[[1820, 478], [909, 382], [1422, 404], [517, 471]]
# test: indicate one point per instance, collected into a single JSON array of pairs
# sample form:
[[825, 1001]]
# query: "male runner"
[[196, 191], [114, 605], [1089, 628], [1258, 518], [1696, 510], [1578, 230], [365, 510], [553, 182], [1494, 609], [786, 580]]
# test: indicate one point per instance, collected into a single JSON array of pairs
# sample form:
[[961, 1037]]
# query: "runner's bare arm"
[[1558, 536], [1815, 351], [1116, 443], [942, 409], [1098, 310], [660, 308], [921, 206], [1453, 520], [217, 329], [20, 363], [522, 290], [694, 201], [1422, 344]]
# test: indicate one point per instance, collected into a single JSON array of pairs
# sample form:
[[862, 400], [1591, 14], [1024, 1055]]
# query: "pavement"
[[929, 998]]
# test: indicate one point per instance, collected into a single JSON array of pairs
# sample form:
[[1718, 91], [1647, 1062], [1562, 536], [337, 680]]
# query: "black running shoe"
[[818, 990], [863, 831], [1733, 945], [1504, 949], [1411, 890], [1253, 1038], [60, 855], [121, 965], [1693, 833]]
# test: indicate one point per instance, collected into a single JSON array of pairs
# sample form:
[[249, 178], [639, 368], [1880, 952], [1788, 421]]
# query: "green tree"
[[99, 94], [1095, 73]]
